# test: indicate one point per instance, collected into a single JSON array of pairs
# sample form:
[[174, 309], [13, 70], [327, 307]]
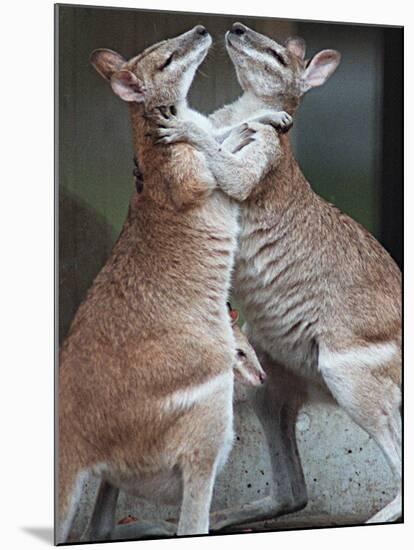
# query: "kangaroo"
[[248, 372], [146, 377], [152, 344], [247, 368], [321, 297]]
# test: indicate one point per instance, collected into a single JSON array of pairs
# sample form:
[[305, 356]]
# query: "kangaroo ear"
[[106, 62], [296, 45], [234, 315], [320, 68], [128, 86]]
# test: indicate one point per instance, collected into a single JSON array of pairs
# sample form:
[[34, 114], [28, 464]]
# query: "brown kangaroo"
[[152, 347]]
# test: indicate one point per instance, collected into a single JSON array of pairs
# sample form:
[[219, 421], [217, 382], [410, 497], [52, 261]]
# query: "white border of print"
[[26, 220]]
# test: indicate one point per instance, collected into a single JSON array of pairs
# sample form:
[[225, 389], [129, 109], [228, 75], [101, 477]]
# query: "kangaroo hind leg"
[[365, 383]]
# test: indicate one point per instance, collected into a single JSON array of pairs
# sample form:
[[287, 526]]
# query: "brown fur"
[[336, 250], [154, 322]]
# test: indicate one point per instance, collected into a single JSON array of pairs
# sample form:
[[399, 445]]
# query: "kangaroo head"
[[247, 367], [160, 75], [278, 75]]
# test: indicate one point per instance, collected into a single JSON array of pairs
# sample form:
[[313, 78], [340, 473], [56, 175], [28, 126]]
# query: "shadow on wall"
[[85, 243]]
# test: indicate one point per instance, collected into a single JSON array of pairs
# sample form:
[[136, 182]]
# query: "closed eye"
[[277, 56], [168, 62]]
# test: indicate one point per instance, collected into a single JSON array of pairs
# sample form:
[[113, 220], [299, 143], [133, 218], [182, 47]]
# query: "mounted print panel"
[[230, 245]]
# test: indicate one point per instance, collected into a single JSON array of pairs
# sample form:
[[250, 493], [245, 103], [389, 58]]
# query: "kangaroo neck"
[[139, 126], [284, 189]]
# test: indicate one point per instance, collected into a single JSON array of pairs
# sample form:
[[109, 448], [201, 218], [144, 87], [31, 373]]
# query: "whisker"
[[202, 73]]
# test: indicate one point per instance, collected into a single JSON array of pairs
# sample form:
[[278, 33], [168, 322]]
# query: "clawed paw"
[[286, 121], [163, 116], [239, 138], [166, 128], [281, 121], [167, 135]]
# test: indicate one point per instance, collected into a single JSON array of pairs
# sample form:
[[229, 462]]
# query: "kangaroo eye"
[[240, 353], [168, 62], [277, 56]]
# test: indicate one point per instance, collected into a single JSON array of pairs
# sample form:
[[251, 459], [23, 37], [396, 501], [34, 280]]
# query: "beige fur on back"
[[308, 274]]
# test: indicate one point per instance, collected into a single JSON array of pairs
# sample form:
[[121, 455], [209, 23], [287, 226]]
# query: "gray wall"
[[338, 128]]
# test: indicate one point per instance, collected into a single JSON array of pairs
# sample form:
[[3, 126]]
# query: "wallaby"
[[102, 525], [321, 297], [145, 378], [247, 368], [152, 344]]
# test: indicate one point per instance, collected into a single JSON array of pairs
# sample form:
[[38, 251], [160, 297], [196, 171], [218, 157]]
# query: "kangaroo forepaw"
[[167, 128], [280, 121], [162, 116], [239, 138]]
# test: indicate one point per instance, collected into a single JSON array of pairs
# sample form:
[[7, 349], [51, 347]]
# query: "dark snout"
[[242, 33], [238, 35], [238, 29], [201, 30], [198, 36]]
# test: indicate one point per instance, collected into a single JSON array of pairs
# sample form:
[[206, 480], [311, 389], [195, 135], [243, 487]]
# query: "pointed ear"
[[320, 68], [234, 316], [106, 62], [128, 86], [296, 45]]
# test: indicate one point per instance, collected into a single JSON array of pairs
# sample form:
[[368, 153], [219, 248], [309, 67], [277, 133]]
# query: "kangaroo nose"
[[238, 28], [201, 30]]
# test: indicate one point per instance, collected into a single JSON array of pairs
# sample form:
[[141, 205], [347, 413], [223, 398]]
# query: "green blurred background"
[[347, 135]]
